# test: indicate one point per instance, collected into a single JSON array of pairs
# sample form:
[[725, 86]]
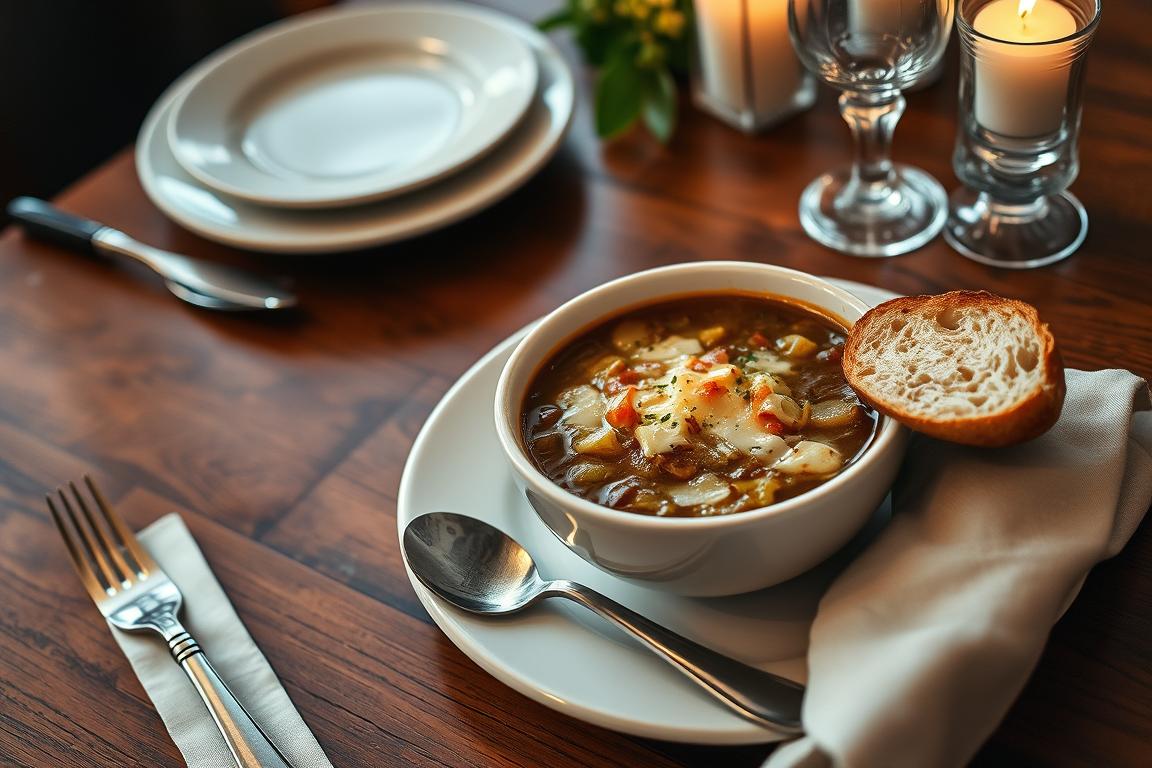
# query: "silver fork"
[[135, 595]]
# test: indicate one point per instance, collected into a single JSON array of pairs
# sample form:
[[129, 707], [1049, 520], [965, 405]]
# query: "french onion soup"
[[705, 405]]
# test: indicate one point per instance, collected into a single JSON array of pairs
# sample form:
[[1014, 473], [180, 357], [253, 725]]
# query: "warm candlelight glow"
[[1026, 7]]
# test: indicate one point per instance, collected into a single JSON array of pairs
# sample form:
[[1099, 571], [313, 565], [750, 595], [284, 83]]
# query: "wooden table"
[[281, 439]]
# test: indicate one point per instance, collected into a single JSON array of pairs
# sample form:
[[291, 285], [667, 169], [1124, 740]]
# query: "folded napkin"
[[922, 644], [209, 616]]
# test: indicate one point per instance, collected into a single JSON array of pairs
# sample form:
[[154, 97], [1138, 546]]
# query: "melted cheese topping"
[[741, 408], [717, 402]]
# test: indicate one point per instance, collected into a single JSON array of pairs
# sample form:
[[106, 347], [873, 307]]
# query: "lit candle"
[[765, 82], [1021, 90]]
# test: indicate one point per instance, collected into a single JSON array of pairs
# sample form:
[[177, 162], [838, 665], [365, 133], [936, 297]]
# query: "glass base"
[[749, 120], [1034, 234], [836, 212]]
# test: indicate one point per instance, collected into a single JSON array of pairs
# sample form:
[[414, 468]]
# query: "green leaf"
[[602, 43], [620, 95], [561, 18], [660, 104]]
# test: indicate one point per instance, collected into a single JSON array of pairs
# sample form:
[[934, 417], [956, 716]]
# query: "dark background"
[[78, 76]]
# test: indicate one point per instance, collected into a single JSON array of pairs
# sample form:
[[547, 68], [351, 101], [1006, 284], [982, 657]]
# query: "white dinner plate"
[[241, 224], [563, 656], [344, 107]]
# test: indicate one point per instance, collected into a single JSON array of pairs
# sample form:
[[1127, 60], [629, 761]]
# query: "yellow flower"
[[651, 55], [669, 22], [640, 9]]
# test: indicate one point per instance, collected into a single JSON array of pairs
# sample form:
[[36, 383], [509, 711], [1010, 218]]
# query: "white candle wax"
[[1021, 90], [775, 71]]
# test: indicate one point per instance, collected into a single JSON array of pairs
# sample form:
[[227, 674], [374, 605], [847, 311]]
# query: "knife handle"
[[44, 220]]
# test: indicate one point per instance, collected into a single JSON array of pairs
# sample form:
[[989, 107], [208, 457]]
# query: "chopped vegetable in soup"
[[700, 406]]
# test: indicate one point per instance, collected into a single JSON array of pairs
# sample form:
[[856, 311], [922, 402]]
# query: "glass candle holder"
[[746, 71], [1021, 90]]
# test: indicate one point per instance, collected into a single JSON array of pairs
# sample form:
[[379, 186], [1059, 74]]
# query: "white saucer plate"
[[564, 657], [338, 108], [241, 224]]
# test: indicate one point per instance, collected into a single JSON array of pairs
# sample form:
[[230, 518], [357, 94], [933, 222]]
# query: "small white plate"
[[561, 655], [237, 223], [344, 107]]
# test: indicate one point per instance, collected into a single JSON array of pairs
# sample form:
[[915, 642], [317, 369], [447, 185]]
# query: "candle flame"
[[1026, 7]]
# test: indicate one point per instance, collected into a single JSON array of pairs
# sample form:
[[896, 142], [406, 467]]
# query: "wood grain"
[[281, 440]]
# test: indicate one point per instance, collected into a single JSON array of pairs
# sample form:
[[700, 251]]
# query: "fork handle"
[[250, 746]]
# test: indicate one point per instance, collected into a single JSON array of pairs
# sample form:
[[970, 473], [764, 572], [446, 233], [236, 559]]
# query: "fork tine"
[[95, 552], [143, 561], [124, 574], [88, 576]]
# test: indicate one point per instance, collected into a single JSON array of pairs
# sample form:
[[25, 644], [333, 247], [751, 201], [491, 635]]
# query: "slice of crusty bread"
[[965, 366]]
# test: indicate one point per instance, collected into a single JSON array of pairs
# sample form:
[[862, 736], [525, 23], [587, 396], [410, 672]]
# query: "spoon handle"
[[753, 693]]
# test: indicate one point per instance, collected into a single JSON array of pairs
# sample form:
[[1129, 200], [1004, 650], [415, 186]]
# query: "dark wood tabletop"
[[281, 439]]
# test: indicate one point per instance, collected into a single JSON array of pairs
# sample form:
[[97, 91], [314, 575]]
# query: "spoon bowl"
[[471, 564]]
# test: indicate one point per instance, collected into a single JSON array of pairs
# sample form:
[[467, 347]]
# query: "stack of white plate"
[[347, 128]]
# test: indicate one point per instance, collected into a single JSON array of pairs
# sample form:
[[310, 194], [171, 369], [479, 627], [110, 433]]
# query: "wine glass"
[[870, 50]]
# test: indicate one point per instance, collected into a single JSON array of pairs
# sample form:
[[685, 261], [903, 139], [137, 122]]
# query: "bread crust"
[[1023, 420]]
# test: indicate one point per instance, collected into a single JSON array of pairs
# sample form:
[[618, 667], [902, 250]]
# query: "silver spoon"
[[480, 569]]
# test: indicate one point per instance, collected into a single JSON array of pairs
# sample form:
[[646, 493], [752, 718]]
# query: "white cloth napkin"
[[920, 647], [209, 616]]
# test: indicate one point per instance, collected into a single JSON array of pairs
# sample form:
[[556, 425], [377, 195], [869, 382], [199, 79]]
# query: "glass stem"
[[872, 118], [1015, 213]]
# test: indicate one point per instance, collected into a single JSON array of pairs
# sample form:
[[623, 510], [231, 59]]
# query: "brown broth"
[[618, 472]]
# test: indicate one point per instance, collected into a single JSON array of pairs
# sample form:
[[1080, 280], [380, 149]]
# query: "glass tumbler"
[[1016, 145], [870, 50]]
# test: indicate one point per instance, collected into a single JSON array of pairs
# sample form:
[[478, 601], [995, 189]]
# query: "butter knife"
[[204, 284]]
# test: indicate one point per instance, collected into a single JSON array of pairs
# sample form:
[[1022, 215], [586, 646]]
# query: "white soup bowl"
[[700, 556]]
